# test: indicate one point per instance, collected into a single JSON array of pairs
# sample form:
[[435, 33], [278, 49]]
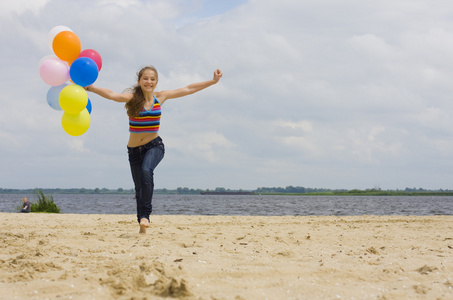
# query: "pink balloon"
[[44, 59], [54, 71], [94, 55]]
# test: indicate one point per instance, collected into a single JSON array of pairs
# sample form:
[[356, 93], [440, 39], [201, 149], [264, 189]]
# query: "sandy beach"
[[68, 256]]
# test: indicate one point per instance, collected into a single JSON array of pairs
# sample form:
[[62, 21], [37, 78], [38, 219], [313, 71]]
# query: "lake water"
[[250, 205]]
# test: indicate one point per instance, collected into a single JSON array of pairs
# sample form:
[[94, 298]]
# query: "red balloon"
[[94, 55]]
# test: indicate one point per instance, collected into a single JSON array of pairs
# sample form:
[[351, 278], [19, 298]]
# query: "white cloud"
[[315, 93], [304, 125], [20, 6], [374, 46], [77, 145]]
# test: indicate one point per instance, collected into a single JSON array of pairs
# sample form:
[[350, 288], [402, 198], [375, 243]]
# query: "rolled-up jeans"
[[143, 161]]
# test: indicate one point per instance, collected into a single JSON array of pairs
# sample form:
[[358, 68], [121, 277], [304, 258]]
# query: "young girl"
[[145, 147]]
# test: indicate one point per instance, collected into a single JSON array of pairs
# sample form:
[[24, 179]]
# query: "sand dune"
[[66, 256]]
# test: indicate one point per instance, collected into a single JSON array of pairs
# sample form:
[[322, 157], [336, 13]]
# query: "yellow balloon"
[[76, 124], [73, 98]]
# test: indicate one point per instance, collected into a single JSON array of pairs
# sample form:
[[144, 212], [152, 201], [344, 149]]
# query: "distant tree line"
[[293, 190], [67, 191], [261, 190]]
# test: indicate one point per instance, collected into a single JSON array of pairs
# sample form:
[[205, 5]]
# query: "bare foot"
[[144, 223]]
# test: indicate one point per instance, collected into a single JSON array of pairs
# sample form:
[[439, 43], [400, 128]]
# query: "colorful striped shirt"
[[147, 120]]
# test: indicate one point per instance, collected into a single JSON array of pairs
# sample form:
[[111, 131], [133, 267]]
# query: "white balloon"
[[54, 31]]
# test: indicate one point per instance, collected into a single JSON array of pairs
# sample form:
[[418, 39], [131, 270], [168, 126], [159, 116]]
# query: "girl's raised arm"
[[190, 89], [108, 94]]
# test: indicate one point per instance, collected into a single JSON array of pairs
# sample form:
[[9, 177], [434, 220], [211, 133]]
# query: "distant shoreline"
[[229, 192], [381, 193]]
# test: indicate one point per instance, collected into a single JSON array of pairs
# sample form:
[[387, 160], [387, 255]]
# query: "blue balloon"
[[53, 95], [83, 71], [89, 106]]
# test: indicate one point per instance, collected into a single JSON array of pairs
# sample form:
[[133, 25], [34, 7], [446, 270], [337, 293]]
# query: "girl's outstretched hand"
[[217, 75]]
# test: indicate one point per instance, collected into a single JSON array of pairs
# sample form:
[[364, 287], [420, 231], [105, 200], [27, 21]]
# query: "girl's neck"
[[149, 96]]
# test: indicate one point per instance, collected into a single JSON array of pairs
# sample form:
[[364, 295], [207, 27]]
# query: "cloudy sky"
[[323, 94]]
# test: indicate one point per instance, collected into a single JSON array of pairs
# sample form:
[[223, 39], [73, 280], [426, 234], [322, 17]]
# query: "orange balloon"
[[66, 46]]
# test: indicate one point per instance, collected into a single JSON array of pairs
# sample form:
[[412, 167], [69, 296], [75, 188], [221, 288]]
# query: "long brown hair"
[[135, 105]]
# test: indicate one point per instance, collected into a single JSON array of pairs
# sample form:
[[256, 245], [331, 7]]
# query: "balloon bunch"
[[69, 63]]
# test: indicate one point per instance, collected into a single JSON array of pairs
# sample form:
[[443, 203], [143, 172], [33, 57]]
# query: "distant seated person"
[[26, 207]]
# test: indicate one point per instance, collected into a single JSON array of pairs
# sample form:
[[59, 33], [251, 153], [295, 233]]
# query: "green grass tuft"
[[44, 204]]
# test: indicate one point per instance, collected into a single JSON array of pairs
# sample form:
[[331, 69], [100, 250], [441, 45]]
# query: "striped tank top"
[[147, 120]]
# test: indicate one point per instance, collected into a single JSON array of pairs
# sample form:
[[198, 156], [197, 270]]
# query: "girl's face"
[[148, 81]]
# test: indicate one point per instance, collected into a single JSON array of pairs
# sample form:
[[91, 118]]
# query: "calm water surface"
[[250, 205]]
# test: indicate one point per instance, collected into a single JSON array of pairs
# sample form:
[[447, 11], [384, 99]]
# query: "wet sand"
[[69, 256]]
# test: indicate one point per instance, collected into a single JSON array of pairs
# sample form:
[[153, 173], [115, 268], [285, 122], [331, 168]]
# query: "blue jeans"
[[143, 160]]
